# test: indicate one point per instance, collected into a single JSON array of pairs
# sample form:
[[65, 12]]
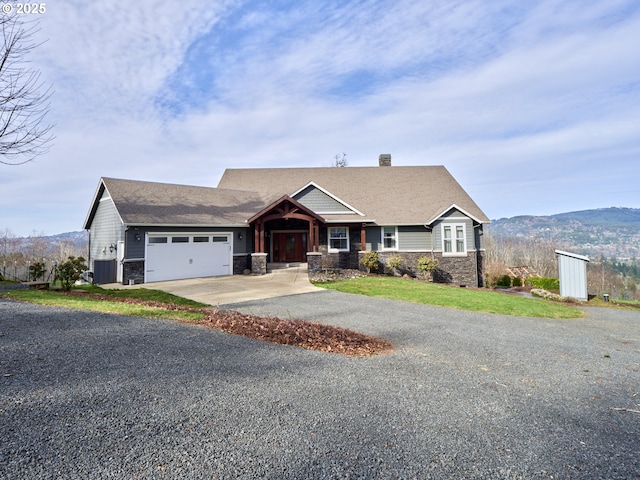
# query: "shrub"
[[545, 283], [492, 279], [504, 281], [394, 263], [70, 271], [517, 282], [427, 266], [371, 261], [36, 270]]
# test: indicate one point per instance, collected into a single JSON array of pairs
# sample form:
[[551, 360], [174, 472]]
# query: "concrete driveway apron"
[[235, 288]]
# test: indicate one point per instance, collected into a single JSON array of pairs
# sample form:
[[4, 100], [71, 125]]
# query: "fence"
[[21, 273]]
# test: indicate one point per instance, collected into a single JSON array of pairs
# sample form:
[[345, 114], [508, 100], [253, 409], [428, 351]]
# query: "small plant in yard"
[[70, 271], [538, 292], [36, 270], [426, 266], [371, 261], [517, 282], [394, 262]]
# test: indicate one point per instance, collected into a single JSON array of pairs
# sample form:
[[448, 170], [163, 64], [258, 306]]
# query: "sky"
[[534, 107]]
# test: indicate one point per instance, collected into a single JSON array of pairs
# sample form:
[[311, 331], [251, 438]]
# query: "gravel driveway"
[[464, 395]]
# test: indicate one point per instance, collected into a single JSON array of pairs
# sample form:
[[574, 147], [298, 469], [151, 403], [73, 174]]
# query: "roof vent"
[[384, 160]]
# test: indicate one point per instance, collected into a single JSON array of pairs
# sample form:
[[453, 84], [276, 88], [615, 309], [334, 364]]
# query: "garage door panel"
[[192, 259]]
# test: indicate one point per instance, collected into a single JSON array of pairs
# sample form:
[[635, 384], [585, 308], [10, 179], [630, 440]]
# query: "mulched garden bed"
[[299, 333]]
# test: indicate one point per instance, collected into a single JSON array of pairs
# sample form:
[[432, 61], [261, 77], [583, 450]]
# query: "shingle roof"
[[150, 203], [384, 195], [387, 195]]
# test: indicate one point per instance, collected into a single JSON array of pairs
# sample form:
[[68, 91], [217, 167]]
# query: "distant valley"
[[609, 232]]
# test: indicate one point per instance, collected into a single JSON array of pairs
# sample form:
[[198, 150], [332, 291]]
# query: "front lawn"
[[142, 302], [453, 297]]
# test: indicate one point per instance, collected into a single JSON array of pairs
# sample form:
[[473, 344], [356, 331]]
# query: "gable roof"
[[388, 195], [150, 203], [337, 206], [286, 201]]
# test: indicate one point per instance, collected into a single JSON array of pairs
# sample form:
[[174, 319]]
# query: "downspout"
[[480, 233], [430, 229], [89, 254]]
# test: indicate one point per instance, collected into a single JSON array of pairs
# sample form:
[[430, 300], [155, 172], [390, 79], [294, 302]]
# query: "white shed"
[[572, 269]]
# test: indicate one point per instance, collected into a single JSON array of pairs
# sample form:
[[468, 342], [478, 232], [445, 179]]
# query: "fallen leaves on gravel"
[[299, 333]]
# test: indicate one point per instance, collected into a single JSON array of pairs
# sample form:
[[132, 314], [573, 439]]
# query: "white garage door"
[[177, 256]]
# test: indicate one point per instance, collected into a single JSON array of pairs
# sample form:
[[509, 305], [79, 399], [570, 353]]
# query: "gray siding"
[[410, 238], [416, 238], [319, 202], [106, 230], [453, 213]]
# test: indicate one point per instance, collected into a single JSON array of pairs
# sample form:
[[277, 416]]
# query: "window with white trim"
[[338, 239], [454, 239], [389, 238]]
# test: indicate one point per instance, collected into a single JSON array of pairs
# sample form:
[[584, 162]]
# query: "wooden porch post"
[[262, 237], [256, 237], [363, 237], [313, 228]]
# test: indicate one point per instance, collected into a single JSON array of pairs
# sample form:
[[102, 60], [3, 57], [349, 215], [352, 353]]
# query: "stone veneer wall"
[[241, 263], [344, 260], [314, 262], [453, 270], [133, 270], [458, 270], [259, 263]]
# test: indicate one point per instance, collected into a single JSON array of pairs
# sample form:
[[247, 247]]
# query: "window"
[[338, 239], [179, 239], [221, 239], [389, 238], [157, 240], [454, 239], [200, 239]]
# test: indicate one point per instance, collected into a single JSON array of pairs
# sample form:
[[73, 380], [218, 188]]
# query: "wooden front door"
[[289, 246]]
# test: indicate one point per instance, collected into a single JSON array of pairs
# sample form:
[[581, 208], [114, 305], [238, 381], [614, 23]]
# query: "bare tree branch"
[[24, 98]]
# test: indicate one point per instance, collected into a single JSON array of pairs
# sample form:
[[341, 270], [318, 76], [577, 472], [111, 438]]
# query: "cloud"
[[510, 97]]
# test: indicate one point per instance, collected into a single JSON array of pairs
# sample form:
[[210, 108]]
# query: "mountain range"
[[603, 232]]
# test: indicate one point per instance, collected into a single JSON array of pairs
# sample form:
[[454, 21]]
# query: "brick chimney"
[[384, 160]]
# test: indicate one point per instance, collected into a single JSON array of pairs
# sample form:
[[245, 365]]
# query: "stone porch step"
[[281, 265]]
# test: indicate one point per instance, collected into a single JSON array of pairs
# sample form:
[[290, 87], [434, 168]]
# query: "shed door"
[[176, 256]]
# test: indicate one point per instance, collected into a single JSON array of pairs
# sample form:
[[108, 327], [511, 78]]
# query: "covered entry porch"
[[285, 231]]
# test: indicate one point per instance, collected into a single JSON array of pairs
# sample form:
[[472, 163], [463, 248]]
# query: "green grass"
[[453, 297], [143, 294], [52, 298]]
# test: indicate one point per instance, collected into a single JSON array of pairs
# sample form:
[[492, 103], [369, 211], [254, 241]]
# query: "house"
[[145, 232]]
